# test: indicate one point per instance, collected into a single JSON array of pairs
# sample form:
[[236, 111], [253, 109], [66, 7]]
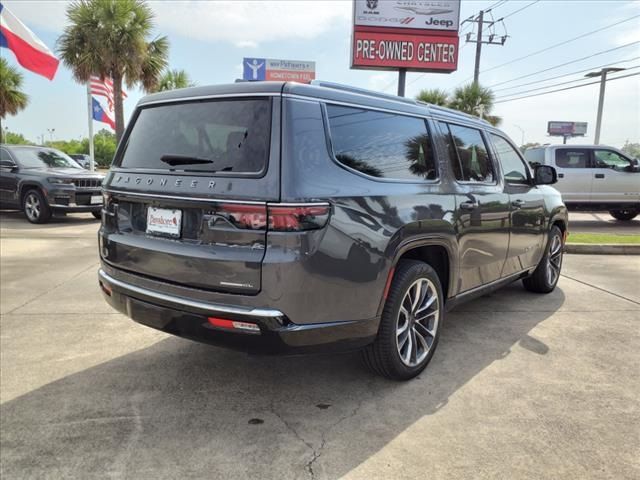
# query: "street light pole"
[[603, 80], [522, 131]]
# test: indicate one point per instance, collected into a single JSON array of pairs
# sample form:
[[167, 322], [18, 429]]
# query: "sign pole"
[[92, 165], [603, 82], [402, 80]]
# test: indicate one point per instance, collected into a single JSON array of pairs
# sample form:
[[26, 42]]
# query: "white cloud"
[[382, 82], [250, 23], [49, 16]]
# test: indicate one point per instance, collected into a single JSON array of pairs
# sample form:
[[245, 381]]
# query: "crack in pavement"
[[600, 288], [73, 277]]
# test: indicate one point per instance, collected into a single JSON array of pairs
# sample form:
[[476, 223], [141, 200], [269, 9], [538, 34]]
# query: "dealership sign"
[[417, 35], [254, 69], [577, 129]]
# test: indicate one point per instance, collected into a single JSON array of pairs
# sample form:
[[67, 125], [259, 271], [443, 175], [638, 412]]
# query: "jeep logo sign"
[[427, 14]]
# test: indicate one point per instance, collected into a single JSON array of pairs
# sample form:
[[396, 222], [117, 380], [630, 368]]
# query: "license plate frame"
[[165, 222]]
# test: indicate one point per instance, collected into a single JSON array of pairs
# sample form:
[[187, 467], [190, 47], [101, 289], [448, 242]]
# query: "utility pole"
[[478, 40], [603, 80]]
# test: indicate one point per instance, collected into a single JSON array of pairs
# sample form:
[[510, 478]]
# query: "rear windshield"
[[212, 136]]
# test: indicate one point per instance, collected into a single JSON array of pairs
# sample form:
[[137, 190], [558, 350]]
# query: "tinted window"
[[382, 144], [513, 168], [37, 157], [220, 136], [610, 159], [572, 158], [469, 155], [4, 155]]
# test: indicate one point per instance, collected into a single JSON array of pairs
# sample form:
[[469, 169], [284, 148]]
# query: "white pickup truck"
[[593, 177]]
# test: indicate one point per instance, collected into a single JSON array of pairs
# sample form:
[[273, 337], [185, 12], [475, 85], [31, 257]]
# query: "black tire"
[[383, 356], [624, 215], [97, 215], [35, 207], [546, 275]]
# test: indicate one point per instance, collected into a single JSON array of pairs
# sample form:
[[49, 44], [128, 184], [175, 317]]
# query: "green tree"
[[13, 138], [435, 96], [12, 99], [631, 149], [104, 144], [110, 38], [475, 100], [173, 79]]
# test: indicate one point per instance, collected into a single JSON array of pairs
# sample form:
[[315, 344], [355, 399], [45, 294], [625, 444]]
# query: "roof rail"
[[361, 91]]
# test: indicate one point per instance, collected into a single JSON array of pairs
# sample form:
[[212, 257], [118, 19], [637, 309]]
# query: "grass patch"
[[602, 238]]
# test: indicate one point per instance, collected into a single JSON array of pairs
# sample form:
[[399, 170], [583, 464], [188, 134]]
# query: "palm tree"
[[435, 96], [475, 100], [12, 100], [109, 38], [172, 79]]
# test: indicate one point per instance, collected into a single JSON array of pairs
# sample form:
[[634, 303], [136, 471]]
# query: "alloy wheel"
[[417, 323], [32, 207], [554, 262]]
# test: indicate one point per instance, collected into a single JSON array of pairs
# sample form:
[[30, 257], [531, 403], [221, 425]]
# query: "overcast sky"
[[210, 38]]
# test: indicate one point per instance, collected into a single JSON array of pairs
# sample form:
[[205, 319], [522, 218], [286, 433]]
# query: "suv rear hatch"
[[186, 200]]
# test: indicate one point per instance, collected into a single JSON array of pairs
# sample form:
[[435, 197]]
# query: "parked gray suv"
[[280, 217], [42, 181]]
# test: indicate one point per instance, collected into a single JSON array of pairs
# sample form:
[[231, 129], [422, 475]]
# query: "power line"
[[519, 10], [554, 85], [560, 44], [566, 74], [566, 88], [566, 63]]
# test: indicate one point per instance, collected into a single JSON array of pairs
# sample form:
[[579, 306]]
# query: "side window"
[[572, 158], [381, 144], [468, 154], [4, 155], [514, 169], [610, 159]]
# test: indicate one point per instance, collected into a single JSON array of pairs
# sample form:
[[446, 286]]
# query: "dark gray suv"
[[42, 181], [280, 217]]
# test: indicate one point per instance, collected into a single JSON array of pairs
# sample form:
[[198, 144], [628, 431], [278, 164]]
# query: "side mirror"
[[544, 175], [8, 165]]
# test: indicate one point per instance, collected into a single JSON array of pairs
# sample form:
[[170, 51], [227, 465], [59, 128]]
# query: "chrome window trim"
[[210, 307]]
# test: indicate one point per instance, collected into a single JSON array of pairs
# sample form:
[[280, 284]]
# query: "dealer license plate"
[[164, 221]]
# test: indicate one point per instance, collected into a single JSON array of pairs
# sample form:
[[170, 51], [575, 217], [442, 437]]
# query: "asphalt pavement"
[[522, 385]]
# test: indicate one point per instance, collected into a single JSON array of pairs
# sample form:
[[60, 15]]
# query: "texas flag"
[[100, 115], [29, 50]]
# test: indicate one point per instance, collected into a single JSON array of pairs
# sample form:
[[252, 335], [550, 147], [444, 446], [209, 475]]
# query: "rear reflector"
[[234, 324]]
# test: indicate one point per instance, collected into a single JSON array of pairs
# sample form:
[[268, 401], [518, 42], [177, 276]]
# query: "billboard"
[[577, 129], [416, 35], [418, 14], [255, 69]]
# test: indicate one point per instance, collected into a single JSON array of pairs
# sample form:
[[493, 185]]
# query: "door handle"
[[561, 175], [518, 203], [599, 175], [468, 205]]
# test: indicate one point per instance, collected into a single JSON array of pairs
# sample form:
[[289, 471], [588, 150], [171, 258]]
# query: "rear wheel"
[[624, 215], [410, 324], [545, 277], [35, 207]]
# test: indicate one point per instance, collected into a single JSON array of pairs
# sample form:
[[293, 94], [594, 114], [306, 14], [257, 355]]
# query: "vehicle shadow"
[[180, 409]]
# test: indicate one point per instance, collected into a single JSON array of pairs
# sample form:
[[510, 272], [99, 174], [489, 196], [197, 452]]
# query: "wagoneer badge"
[[178, 182]]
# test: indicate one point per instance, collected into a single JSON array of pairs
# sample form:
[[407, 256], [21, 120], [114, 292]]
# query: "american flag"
[[104, 88]]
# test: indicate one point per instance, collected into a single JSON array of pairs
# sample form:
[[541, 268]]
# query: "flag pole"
[[92, 165]]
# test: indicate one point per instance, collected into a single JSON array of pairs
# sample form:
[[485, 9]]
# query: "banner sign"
[[419, 14], [417, 35], [255, 69], [567, 128], [413, 52]]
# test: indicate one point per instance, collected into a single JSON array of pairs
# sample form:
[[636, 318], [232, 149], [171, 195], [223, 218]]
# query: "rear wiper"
[[173, 159]]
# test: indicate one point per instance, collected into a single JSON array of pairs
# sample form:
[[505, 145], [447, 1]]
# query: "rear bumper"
[[188, 318]]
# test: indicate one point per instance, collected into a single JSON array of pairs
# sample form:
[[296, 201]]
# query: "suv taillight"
[[276, 217]]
